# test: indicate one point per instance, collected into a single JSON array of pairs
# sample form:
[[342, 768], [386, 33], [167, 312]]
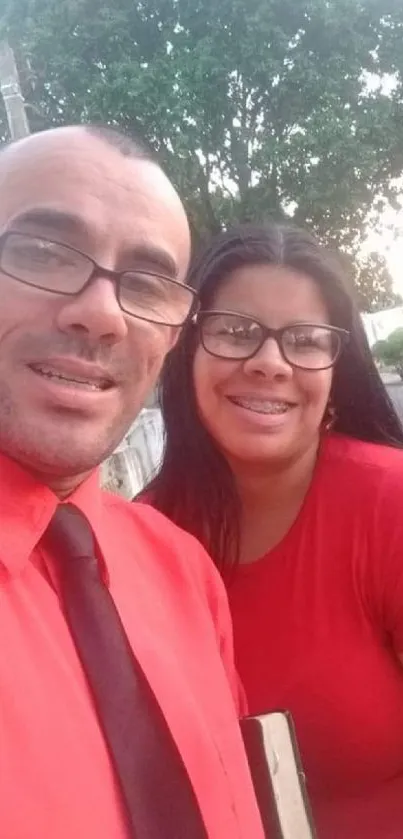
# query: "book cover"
[[278, 776]]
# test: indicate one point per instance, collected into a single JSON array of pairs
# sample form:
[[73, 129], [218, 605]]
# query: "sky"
[[389, 242], [395, 264]]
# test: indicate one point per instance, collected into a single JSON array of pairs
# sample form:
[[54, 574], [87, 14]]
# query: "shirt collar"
[[27, 506]]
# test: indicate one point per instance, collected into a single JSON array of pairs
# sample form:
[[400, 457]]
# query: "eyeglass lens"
[[234, 336], [61, 269]]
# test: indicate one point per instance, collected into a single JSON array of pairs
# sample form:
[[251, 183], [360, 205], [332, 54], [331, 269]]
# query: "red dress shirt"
[[56, 780]]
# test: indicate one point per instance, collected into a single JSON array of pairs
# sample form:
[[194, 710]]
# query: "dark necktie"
[[159, 799]]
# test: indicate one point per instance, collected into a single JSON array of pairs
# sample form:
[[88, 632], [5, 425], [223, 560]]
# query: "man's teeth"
[[86, 384], [262, 406]]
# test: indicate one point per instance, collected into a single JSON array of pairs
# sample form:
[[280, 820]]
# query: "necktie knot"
[[69, 537]]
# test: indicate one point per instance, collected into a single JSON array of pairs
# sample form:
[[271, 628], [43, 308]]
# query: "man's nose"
[[268, 361], [95, 311]]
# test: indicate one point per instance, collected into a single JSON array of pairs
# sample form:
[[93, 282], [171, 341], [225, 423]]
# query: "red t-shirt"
[[318, 625]]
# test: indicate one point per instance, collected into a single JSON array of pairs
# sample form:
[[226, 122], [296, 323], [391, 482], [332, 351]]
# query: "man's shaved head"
[[129, 146], [98, 194]]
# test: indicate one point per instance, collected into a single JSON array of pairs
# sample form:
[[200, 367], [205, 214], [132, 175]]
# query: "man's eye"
[[40, 255]]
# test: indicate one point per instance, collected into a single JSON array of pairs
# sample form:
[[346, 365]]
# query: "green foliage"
[[258, 108], [390, 351], [372, 284]]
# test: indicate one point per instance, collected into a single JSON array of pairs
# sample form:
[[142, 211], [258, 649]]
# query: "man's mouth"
[[95, 383], [262, 406]]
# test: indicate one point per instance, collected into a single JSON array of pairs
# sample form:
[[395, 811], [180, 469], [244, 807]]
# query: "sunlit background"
[[389, 242]]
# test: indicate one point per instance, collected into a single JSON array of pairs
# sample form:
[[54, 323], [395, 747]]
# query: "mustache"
[[34, 348]]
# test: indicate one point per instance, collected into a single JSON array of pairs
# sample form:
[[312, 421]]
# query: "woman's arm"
[[385, 549]]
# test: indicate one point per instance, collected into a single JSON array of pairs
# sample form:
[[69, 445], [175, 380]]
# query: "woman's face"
[[263, 409]]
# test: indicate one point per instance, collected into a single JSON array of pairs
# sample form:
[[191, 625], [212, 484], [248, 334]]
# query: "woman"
[[283, 456]]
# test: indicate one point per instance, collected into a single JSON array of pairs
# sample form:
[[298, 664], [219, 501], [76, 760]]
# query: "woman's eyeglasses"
[[308, 346]]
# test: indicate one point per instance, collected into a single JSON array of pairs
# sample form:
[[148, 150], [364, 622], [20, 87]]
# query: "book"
[[278, 776]]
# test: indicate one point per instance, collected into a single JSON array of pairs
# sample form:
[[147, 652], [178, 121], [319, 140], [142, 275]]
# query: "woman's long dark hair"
[[195, 486]]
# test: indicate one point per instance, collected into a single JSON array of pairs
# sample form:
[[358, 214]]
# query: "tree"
[[373, 284], [258, 107], [390, 351]]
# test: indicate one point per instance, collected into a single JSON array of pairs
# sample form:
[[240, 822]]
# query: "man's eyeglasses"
[[52, 266], [309, 346]]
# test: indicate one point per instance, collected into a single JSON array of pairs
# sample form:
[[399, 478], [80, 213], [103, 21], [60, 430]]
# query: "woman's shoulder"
[[358, 457], [358, 492], [360, 475]]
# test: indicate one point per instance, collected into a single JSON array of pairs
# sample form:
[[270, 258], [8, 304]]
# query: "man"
[[94, 247]]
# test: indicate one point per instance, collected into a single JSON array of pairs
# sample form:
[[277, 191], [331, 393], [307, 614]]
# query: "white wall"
[[380, 324], [138, 456]]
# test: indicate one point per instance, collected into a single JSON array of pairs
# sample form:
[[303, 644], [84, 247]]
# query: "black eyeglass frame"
[[97, 271], [269, 332]]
